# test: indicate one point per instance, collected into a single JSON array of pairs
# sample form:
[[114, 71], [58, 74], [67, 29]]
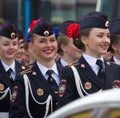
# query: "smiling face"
[[8, 48], [20, 52], [97, 43], [45, 48]]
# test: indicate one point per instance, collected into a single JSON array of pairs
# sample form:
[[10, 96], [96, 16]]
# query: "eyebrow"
[[103, 33]]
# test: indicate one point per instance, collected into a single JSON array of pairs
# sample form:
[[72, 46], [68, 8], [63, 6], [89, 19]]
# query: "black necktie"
[[101, 73], [9, 73], [51, 80]]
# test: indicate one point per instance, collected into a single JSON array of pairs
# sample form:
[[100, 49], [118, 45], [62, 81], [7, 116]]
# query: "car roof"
[[102, 99]]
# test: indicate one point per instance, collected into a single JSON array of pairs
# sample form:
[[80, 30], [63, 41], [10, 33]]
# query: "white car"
[[105, 104]]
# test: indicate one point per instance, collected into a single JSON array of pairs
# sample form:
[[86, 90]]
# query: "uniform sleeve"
[[18, 108], [67, 89]]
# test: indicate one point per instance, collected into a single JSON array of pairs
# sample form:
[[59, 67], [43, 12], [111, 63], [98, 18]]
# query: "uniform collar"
[[63, 62], [92, 61], [6, 67], [116, 60], [44, 69]]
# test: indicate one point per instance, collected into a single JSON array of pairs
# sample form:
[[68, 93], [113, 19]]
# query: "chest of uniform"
[[37, 91]]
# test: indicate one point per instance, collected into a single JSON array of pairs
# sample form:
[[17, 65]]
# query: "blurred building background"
[[21, 12]]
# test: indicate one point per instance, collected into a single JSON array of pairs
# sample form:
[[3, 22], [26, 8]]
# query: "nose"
[[11, 46], [48, 43], [107, 39]]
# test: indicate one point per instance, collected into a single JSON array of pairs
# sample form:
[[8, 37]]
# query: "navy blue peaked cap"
[[94, 19], [63, 26], [8, 30], [20, 34], [43, 27], [114, 26]]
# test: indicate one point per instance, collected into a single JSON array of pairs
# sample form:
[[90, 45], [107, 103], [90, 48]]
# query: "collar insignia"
[[23, 67], [83, 65], [33, 73]]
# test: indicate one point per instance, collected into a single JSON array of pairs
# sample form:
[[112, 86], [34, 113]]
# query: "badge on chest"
[[1, 87], [40, 92], [88, 85]]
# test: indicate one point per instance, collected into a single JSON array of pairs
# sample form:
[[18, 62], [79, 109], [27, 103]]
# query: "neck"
[[47, 63], [69, 60], [117, 56], [8, 62]]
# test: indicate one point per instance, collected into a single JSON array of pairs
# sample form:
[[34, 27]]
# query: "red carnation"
[[33, 23], [72, 30]]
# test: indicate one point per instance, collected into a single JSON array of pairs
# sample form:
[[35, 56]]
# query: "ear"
[[30, 46], [84, 40], [63, 47], [114, 47]]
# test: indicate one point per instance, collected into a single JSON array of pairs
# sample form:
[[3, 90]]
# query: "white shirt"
[[55, 73], [63, 62], [116, 60], [92, 62], [12, 66]]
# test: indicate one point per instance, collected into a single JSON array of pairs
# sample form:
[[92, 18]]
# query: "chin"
[[49, 58]]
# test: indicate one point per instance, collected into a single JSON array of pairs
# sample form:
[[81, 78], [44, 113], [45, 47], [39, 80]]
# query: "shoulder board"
[[30, 65], [25, 71], [111, 62], [73, 64]]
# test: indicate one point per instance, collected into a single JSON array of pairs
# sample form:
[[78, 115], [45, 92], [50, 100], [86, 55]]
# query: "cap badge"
[[46, 33], [40, 92], [1, 87], [106, 23], [88, 85], [12, 35]]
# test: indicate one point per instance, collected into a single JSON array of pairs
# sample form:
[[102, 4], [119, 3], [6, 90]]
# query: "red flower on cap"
[[72, 30], [33, 23]]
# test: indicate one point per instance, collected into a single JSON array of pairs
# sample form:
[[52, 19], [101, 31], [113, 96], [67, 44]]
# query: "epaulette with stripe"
[[30, 65], [28, 70], [73, 64], [112, 63]]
